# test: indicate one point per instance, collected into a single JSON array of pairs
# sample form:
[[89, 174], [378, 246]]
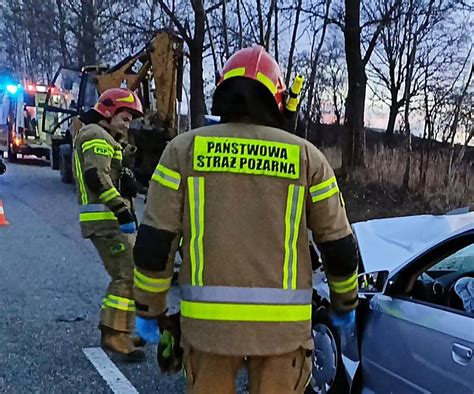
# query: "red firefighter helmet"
[[115, 99], [257, 64]]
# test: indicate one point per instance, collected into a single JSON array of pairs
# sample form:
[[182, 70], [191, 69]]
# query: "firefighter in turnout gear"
[[106, 217], [242, 195]]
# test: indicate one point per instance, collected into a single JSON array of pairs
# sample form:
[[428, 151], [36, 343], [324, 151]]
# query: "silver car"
[[415, 320]]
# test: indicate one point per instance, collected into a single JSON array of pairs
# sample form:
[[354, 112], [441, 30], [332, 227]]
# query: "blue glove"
[[147, 329], [128, 228], [344, 322]]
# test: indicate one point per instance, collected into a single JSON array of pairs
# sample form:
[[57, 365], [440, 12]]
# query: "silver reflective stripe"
[[93, 208], [320, 192], [246, 295], [293, 221]]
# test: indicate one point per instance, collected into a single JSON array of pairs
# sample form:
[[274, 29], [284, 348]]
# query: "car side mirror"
[[372, 282]]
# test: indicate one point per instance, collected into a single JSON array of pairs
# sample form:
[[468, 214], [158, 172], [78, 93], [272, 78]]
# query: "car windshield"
[[462, 261]]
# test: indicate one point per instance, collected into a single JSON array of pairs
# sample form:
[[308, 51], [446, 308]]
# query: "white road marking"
[[109, 372]]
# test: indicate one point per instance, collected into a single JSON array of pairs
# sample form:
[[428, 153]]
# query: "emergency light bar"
[[13, 89], [39, 88]]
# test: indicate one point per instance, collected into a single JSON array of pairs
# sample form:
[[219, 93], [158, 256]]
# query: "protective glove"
[[344, 322], [128, 228], [147, 329], [128, 183], [169, 352]]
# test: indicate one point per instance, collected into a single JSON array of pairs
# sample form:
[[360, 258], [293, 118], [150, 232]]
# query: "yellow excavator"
[[155, 73]]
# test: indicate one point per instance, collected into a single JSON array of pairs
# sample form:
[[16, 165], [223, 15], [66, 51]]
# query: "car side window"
[[449, 282]]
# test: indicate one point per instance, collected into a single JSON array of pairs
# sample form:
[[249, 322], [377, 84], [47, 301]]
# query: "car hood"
[[385, 244]]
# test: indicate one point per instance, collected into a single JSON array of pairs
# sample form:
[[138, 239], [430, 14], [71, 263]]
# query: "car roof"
[[386, 244]]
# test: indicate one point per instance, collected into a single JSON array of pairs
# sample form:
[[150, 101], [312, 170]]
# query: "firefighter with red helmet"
[[242, 195], [106, 217]]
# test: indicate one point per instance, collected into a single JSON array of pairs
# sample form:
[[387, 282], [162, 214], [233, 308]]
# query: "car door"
[[410, 345]]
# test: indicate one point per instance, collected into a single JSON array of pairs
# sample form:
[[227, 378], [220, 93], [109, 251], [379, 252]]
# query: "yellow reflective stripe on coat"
[[324, 190], [294, 210], [109, 194], [97, 142], [121, 303], [243, 312], [80, 180], [246, 156], [118, 155], [100, 146], [196, 215], [167, 177], [94, 216], [152, 285], [345, 286]]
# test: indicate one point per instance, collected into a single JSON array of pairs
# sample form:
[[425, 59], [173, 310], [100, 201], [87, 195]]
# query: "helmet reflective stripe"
[[267, 82], [128, 99], [236, 72]]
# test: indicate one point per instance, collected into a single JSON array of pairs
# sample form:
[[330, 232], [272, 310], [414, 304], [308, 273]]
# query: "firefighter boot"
[[121, 343]]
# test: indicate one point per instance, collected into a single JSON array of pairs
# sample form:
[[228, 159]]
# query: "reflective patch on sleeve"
[[345, 286], [118, 155], [109, 195], [99, 147], [99, 150], [246, 156], [152, 285], [167, 177], [117, 248], [324, 190]]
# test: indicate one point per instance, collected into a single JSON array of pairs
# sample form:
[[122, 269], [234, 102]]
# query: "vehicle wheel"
[[54, 155], [328, 371], [64, 170], [11, 155]]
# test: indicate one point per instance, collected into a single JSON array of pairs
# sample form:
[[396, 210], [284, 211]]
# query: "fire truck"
[[21, 123]]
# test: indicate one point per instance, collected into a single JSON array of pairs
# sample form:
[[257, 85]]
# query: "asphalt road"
[[51, 286]]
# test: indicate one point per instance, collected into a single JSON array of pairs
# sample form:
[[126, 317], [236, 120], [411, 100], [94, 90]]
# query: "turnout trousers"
[[118, 305], [276, 374]]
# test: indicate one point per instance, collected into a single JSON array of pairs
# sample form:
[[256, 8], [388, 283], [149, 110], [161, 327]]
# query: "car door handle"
[[461, 354]]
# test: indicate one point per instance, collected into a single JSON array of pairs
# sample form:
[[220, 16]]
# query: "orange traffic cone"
[[3, 219]]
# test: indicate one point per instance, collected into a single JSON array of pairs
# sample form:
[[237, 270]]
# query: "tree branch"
[[176, 22], [385, 20]]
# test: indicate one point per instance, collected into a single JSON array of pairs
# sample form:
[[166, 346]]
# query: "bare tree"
[[289, 68], [354, 149], [316, 52], [455, 160]]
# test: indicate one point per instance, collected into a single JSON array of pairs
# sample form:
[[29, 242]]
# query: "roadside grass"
[[385, 168]]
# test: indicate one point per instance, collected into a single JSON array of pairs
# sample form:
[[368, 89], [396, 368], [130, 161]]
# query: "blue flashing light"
[[12, 89]]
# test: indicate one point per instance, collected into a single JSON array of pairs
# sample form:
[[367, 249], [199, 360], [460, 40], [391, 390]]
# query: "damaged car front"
[[414, 330]]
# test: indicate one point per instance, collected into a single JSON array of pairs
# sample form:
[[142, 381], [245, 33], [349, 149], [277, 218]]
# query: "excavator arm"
[[156, 69], [155, 72]]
